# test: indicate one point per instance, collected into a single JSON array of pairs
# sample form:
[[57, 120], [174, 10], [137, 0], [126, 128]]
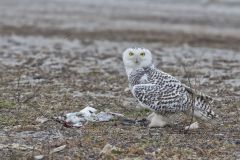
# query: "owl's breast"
[[144, 79]]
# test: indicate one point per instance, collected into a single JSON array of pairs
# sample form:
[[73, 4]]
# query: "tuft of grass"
[[7, 120], [144, 112], [7, 104]]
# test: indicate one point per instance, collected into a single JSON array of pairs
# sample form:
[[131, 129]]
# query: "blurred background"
[[59, 56], [172, 21]]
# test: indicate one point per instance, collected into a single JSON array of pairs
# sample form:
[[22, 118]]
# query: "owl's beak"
[[137, 61]]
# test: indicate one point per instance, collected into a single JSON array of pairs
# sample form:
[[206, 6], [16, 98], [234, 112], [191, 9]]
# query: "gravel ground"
[[54, 62]]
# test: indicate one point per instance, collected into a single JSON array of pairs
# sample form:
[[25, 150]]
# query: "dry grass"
[[29, 91]]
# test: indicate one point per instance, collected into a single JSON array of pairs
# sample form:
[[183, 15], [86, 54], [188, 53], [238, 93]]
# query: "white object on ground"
[[103, 116], [127, 89], [41, 119], [116, 114], [108, 148], [58, 149], [88, 111], [38, 157], [156, 120], [77, 119], [194, 125], [20, 146]]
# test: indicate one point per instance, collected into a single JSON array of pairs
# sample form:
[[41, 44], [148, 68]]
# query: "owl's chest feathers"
[[144, 79], [150, 76], [135, 79], [140, 77]]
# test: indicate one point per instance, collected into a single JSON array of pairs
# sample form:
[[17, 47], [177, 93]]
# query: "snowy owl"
[[161, 92]]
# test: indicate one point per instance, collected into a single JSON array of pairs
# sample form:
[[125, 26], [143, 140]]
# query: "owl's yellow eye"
[[131, 53], [142, 54]]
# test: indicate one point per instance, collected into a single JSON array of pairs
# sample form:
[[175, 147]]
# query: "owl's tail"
[[201, 105]]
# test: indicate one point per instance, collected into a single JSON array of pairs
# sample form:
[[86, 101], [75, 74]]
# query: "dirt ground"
[[61, 56]]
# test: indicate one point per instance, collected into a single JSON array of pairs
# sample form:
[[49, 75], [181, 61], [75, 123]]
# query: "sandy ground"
[[61, 56]]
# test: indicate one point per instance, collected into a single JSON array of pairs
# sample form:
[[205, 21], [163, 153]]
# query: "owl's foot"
[[157, 120]]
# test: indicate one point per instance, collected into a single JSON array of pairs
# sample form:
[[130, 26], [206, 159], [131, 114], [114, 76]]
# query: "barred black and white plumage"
[[160, 91]]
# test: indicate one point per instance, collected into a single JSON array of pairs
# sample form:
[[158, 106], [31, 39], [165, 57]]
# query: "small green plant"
[[6, 104]]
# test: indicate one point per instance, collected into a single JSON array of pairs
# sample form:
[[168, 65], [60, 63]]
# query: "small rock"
[[158, 151], [38, 157], [17, 127], [194, 125], [107, 149], [126, 89], [77, 94], [156, 120], [41, 120], [58, 149], [21, 147]]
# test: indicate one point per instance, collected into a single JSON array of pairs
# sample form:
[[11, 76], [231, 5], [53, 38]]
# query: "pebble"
[[58, 149], [38, 157], [126, 89], [194, 125], [107, 149], [41, 120]]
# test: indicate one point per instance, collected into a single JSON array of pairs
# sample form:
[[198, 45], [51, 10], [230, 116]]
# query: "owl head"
[[134, 58]]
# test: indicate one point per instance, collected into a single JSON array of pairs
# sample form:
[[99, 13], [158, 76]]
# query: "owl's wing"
[[167, 78], [161, 99]]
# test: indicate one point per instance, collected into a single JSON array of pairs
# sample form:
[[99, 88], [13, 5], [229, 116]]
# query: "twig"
[[193, 98], [190, 85], [18, 89]]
